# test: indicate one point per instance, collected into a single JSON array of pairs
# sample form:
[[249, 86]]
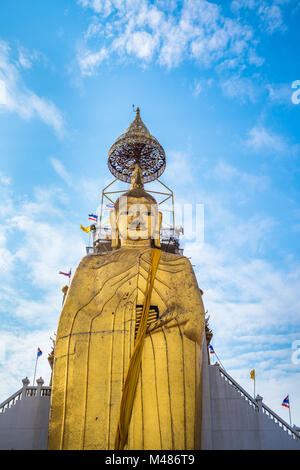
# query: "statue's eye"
[[149, 213]]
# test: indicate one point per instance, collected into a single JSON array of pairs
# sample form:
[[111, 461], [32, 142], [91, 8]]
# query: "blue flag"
[[286, 402]]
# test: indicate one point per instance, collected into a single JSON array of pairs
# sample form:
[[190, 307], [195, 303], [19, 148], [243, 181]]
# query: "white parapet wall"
[[233, 420], [24, 418]]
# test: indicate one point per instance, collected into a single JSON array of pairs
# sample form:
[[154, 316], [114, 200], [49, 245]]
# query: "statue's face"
[[137, 218]]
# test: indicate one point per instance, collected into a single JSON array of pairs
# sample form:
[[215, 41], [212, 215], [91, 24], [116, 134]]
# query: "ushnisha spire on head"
[[137, 180], [137, 190]]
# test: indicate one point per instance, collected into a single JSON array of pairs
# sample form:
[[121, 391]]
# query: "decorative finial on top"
[[137, 127], [137, 110]]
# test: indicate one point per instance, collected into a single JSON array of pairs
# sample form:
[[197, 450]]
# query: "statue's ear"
[[157, 231], [114, 229]]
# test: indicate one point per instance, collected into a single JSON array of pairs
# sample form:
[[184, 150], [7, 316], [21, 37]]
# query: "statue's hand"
[[188, 323]]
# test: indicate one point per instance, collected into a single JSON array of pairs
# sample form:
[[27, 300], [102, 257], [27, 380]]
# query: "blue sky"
[[214, 84]]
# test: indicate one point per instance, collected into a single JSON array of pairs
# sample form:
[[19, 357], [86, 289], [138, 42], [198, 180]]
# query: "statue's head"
[[135, 216]]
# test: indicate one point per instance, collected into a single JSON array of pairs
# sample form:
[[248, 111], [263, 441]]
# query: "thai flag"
[[211, 349], [286, 402], [65, 274], [109, 206], [39, 352], [93, 217]]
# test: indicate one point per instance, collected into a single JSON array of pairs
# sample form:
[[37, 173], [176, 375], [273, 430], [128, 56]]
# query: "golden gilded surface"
[[94, 342], [136, 145], [96, 338], [133, 370]]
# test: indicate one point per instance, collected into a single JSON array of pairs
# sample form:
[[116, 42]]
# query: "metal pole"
[[219, 361], [101, 210], [173, 214], [35, 370], [290, 411]]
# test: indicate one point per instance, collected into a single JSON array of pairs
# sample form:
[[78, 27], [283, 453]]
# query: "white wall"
[[231, 423], [24, 426], [228, 420]]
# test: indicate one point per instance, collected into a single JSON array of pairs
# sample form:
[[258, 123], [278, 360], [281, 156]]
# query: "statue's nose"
[[138, 220], [134, 217], [138, 216]]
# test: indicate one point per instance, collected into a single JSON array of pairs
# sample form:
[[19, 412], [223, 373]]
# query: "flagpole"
[[219, 360], [290, 411], [35, 370], [253, 377]]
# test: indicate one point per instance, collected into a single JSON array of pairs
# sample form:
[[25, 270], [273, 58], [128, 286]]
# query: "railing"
[[259, 406], [283, 424], [45, 391], [26, 392], [166, 233], [241, 391], [11, 401]]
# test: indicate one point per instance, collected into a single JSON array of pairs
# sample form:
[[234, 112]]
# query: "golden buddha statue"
[[97, 337]]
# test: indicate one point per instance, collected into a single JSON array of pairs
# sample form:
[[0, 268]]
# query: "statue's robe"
[[94, 343]]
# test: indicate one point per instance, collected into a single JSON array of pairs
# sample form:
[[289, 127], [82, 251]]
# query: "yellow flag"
[[252, 374], [86, 229]]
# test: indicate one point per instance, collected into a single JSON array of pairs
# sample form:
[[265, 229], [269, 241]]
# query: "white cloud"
[[199, 31], [253, 309], [269, 13], [262, 139], [6, 261], [26, 57], [178, 164], [41, 247], [96, 5], [253, 303], [93, 30], [89, 61], [225, 231], [254, 58], [141, 44], [243, 184], [245, 296], [44, 241], [18, 355], [17, 98], [240, 88], [201, 85], [3, 97], [60, 170], [38, 237], [4, 180], [279, 93], [271, 16]]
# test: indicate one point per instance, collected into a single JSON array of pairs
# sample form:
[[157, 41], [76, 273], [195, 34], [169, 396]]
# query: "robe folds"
[[94, 343]]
